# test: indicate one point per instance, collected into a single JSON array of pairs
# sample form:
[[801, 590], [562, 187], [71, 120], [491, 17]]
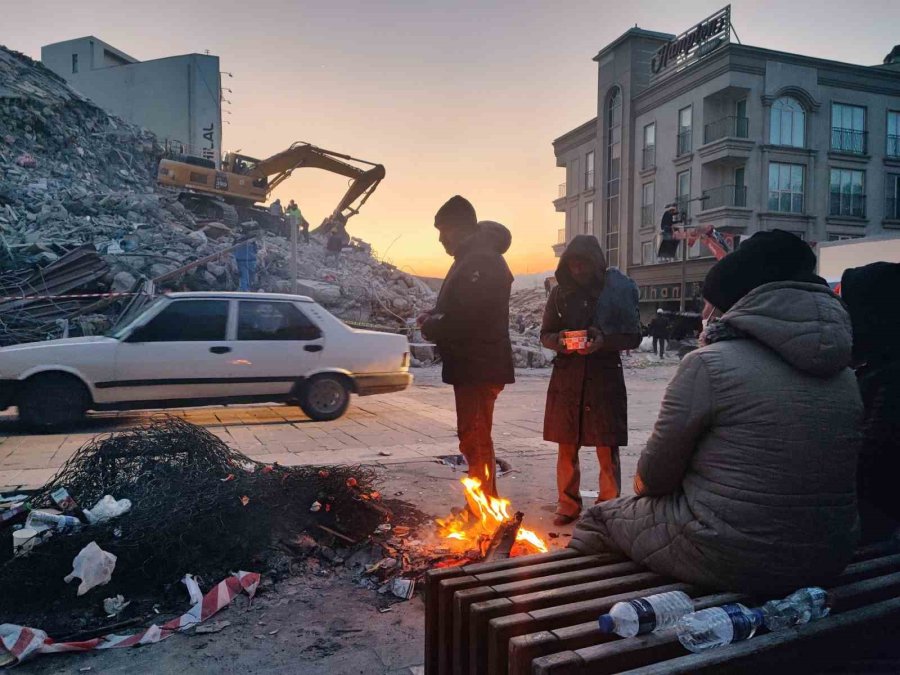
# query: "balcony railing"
[[843, 204], [893, 146], [589, 180], [647, 215], [649, 157], [848, 140], [892, 208], [562, 190], [684, 142], [735, 127], [725, 195], [561, 236]]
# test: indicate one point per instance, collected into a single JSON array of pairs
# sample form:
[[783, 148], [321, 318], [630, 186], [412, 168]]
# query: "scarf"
[[718, 331]]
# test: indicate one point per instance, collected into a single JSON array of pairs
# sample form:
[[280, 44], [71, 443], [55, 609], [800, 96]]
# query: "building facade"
[[178, 98], [743, 138]]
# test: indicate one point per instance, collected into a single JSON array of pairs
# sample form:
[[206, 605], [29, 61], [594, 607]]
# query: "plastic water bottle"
[[717, 626], [803, 606], [644, 615]]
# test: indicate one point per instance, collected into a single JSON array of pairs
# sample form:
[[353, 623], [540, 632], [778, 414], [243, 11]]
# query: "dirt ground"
[[321, 621]]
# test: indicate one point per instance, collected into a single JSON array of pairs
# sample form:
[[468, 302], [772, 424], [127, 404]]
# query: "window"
[[613, 171], [589, 171], [647, 204], [684, 131], [649, 146], [848, 193], [843, 237], [648, 253], [186, 321], [787, 123], [74, 63], [893, 134], [259, 320], [848, 128], [589, 218], [892, 197], [683, 190], [786, 187]]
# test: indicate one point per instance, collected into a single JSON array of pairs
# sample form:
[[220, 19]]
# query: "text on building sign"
[[694, 41]]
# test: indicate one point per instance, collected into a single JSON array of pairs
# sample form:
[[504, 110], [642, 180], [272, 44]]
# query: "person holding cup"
[[586, 399]]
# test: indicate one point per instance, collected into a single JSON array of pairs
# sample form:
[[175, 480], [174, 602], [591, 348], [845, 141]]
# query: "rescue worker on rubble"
[[747, 482], [296, 219], [275, 208], [470, 324], [659, 330], [868, 292], [586, 399]]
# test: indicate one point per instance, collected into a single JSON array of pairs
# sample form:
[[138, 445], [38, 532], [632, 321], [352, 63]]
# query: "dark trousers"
[[661, 342], [474, 419]]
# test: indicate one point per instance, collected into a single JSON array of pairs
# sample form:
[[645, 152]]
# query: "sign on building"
[[693, 44]]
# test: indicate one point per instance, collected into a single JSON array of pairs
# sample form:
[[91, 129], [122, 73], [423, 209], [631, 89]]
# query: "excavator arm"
[[300, 155]]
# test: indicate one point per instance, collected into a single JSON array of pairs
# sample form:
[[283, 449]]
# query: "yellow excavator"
[[231, 192]]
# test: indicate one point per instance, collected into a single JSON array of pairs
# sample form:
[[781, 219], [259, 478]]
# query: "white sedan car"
[[190, 349]]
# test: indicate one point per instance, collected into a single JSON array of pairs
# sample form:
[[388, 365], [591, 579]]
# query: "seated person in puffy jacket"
[[747, 482]]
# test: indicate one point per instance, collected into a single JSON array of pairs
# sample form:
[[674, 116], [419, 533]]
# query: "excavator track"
[[209, 208]]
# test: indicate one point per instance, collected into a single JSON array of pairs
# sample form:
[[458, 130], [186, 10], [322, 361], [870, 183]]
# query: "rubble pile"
[[196, 507], [526, 310], [72, 175]]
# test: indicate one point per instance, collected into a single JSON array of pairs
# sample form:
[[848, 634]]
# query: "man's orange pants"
[[568, 477]]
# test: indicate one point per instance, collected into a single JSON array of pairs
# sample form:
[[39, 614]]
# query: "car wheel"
[[53, 400], [325, 397]]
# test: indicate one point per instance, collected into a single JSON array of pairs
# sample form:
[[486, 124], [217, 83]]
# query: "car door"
[[275, 345], [180, 353]]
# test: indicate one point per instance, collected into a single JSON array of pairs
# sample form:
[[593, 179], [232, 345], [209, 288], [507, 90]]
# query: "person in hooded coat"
[[868, 293], [586, 398], [747, 482], [470, 325]]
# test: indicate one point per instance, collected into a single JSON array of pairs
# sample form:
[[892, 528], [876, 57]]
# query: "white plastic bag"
[[107, 509], [93, 566]]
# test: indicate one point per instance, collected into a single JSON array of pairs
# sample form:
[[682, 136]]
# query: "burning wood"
[[487, 526]]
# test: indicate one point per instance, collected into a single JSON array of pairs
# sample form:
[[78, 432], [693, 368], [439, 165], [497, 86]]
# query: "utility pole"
[[684, 248]]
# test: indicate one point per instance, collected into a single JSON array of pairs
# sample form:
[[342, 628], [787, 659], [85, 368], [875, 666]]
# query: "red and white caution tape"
[[23, 643], [65, 297]]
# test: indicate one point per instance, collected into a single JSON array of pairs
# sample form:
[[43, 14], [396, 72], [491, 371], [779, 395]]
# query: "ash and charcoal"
[[198, 507]]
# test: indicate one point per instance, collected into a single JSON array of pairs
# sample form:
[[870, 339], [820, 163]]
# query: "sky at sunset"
[[452, 97]]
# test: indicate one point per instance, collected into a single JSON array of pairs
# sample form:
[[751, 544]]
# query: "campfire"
[[487, 528]]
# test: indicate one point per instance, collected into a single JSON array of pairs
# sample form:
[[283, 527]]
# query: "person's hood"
[[490, 236], [582, 246], [805, 323], [868, 291]]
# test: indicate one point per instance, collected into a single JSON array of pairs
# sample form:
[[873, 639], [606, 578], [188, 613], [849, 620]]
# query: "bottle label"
[[645, 614], [743, 625]]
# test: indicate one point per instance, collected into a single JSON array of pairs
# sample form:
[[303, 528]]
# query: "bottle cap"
[[607, 623]]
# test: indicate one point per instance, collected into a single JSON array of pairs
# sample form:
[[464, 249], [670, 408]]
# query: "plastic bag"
[[107, 509], [93, 566]]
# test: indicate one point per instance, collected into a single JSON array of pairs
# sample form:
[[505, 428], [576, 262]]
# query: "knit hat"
[[456, 212], [764, 258]]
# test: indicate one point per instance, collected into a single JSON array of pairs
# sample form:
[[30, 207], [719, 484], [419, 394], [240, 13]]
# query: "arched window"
[[613, 173], [787, 123]]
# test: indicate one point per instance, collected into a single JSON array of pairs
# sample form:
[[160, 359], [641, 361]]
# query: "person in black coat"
[[470, 325], [659, 331], [869, 292]]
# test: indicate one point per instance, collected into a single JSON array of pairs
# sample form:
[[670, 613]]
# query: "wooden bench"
[[538, 614]]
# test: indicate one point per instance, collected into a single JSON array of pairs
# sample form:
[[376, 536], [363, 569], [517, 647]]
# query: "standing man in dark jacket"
[[470, 325], [659, 331]]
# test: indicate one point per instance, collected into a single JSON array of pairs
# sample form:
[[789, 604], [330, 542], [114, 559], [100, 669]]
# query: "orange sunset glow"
[[452, 97]]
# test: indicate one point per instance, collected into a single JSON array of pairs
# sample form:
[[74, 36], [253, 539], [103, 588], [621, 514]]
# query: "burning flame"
[[490, 512]]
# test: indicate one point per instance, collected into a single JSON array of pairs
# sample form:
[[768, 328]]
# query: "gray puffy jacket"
[[750, 471]]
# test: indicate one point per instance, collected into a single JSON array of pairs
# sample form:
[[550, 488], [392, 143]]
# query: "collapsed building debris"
[[198, 507]]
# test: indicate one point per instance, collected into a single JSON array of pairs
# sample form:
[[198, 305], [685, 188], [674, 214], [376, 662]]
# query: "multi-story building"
[[743, 138], [178, 98]]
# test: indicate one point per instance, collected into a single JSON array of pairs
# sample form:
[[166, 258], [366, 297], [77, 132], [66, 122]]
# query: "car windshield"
[[124, 324]]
